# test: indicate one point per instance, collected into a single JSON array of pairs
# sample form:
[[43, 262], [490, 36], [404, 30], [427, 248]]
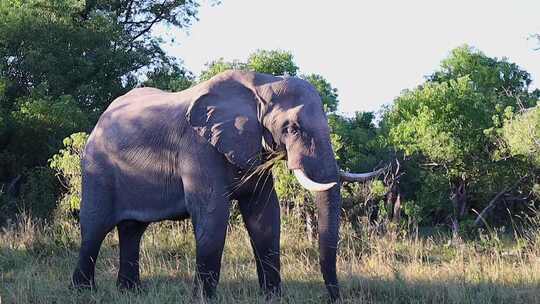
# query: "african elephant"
[[156, 155]]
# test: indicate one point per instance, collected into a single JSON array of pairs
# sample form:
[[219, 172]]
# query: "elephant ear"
[[226, 116]]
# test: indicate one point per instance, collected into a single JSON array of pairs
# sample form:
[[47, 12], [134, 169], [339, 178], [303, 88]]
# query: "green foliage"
[[84, 49], [171, 78], [67, 164], [522, 135], [273, 62], [359, 147], [378, 189], [215, 67], [503, 81], [287, 187], [364, 202], [443, 121], [39, 193], [432, 199], [413, 211], [448, 125], [329, 95], [40, 123]]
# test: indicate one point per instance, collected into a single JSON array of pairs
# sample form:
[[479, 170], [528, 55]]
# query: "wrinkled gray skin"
[[155, 155]]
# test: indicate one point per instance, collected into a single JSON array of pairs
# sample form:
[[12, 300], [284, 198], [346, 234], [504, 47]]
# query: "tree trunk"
[[397, 209], [393, 197], [459, 202], [390, 202]]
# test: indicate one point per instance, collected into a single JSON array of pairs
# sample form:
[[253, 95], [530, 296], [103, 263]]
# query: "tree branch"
[[480, 220], [158, 18], [128, 11]]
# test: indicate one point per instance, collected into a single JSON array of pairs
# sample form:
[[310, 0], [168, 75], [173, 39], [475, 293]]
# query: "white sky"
[[368, 50]]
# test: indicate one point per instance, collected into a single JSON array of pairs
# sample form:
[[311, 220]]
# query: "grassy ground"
[[36, 262]]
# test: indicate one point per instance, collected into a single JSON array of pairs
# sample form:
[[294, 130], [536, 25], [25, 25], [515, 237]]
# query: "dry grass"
[[36, 263]]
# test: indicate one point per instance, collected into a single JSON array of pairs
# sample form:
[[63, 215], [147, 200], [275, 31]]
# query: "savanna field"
[[452, 214], [392, 267]]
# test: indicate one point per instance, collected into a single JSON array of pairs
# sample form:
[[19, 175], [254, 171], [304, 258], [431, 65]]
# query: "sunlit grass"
[[36, 261]]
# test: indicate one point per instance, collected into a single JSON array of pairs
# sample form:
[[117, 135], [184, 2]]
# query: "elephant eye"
[[292, 130]]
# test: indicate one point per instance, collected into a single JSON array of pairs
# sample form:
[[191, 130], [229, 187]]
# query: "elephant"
[[155, 155]]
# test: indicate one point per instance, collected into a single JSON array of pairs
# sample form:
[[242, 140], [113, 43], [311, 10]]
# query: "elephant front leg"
[[260, 212], [210, 227]]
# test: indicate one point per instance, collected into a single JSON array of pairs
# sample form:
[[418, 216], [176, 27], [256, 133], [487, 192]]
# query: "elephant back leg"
[[130, 234], [96, 220], [91, 239]]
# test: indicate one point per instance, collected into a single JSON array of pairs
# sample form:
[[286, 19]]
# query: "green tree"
[[329, 94], [169, 78], [90, 50], [273, 62], [521, 134], [446, 123], [215, 67], [39, 123], [359, 148]]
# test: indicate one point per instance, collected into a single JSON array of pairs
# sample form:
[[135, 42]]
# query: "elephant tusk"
[[359, 177], [309, 184]]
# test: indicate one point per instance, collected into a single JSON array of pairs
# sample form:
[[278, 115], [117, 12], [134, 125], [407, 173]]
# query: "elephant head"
[[244, 114]]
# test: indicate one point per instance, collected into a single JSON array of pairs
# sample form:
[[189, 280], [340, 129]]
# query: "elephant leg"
[[129, 234], [262, 220], [83, 276], [210, 227]]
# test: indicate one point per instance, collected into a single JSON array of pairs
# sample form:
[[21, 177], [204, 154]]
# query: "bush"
[[8, 207], [521, 135], [363, 202], [67, 164], [40, 122], [38, 193], [288, 190]]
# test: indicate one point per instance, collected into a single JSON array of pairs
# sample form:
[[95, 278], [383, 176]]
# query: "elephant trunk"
[[316, 170], [326, 189], [329, 207]]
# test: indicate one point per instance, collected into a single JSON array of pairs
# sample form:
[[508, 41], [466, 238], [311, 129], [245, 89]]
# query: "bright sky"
[[369, 50]]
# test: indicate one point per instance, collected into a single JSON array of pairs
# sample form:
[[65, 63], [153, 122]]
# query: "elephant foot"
[[82, 281], [124, 283], [272, 295], [202, 294], [333, 293]]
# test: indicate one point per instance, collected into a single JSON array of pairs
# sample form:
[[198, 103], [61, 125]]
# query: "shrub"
[[66, 163], [521, 134], [39, 192], [40, 122], [8, 207]]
